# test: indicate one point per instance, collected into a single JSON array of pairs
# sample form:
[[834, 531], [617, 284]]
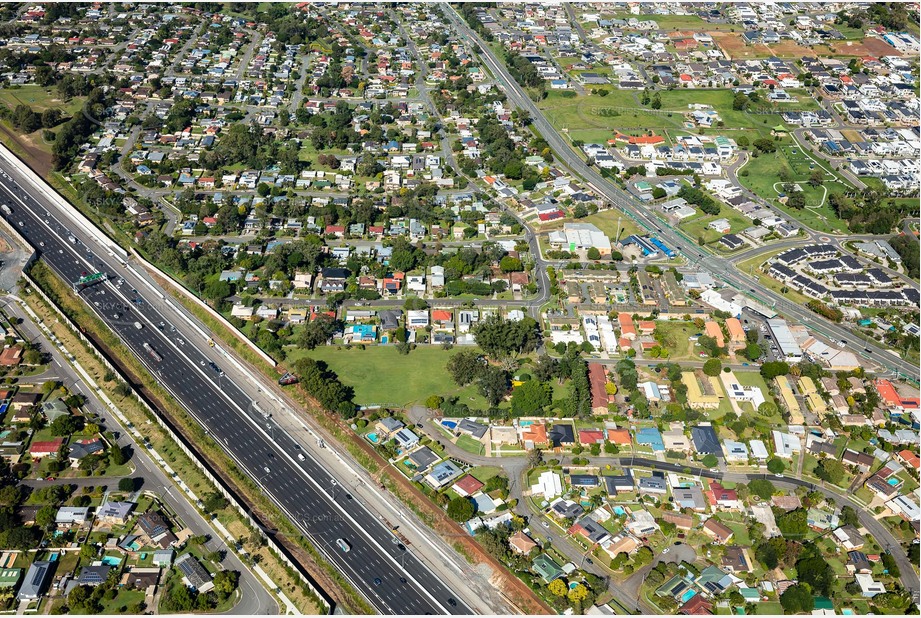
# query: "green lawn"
[[611, 221], [769, 608], [38, 98], [696, 226], [762, 176], [471, 445], [484, 473], [381, 375]]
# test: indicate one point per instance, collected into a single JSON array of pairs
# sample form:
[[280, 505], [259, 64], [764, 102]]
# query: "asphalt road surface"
[[256, 600], [721, 268], [391, 578]]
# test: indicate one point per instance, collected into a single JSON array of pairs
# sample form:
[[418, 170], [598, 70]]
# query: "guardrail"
[[218, 483]]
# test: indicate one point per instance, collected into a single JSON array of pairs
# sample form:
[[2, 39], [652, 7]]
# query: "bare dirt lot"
[[867, 47], [733, 45]]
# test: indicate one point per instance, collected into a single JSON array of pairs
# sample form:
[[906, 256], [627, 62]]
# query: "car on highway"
[[452, 602], [343, 545], [377, 581], [301, 457]]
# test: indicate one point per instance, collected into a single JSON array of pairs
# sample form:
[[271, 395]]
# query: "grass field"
[[471, 445], [764, 175], [381, 375], [676, 338], [39, 99], [594, 118], [607, 222], [696, 226]]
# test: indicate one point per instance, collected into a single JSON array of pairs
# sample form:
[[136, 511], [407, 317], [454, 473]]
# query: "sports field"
[[382, 376]]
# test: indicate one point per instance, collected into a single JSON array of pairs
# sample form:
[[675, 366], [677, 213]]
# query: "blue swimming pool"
[[525, 423], [619, 510], [112, 561], [893, 482], [847, 612], [372, 437], [688, 595], [53, 557], [450, 424]]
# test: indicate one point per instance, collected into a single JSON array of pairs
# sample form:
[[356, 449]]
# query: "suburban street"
[[515, 468], [721, 268], [256, 600], [303, 488]]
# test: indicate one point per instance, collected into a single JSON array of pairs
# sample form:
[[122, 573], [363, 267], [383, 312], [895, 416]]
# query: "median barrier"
[[217, 482], [66, 207]]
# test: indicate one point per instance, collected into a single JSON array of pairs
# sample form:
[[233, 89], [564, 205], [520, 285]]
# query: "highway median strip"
[[262, 508]]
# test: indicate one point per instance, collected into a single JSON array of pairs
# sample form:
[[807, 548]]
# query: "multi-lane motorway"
[[720, 268], [392, 579]]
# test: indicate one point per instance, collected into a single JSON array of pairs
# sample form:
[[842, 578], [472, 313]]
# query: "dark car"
[[377, 581], [452, 602]]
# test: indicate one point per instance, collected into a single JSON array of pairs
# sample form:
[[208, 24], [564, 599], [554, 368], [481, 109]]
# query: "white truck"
[[6, 209]]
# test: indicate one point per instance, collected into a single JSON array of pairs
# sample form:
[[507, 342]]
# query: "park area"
[[381, 375], [764, 175]]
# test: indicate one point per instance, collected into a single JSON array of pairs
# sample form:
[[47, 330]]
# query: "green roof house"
[[9, 578], [545, 566]]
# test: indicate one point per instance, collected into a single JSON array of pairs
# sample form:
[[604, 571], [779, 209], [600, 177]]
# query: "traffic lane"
[[626, 202], [71, 269]]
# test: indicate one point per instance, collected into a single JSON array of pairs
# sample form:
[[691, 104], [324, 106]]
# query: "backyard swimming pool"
[[893, 482], [372, 438], [450, 424], [112, 561], [688, 595], [619, 510]]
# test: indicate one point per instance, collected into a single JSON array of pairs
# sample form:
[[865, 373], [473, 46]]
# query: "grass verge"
[[263, 510]]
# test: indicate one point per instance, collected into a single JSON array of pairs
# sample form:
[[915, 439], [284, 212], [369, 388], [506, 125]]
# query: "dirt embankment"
[[36, 158]]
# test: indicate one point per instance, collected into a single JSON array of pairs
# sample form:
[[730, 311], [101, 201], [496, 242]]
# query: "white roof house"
[[868, 586], [759, 451], [549, 485], [785, 445]]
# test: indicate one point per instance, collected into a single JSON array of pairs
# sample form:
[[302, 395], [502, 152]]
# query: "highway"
[[255, 600], [720, 268], [393, 579]]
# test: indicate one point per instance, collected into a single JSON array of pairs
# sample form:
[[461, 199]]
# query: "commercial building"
[[784, 339], [581, 236]]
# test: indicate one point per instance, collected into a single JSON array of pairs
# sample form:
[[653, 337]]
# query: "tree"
[[461, 509], [797, 599], [500, 338], [530, 398], [793, 523], [830, 470], [557, 588], [577, 593], [593, 253], [713, 367], [772, 369], [319, 331], [796, 200], [510, 264], [464, 367], [762, 488], [643, 556], [117, 456], [765, 145], [658, 193], [740, 102], [45, 517], [66, 425], [493, 384], [776, 465], [126, 484], [709, 460], [213, 501], [225, 582], [817, 177]]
